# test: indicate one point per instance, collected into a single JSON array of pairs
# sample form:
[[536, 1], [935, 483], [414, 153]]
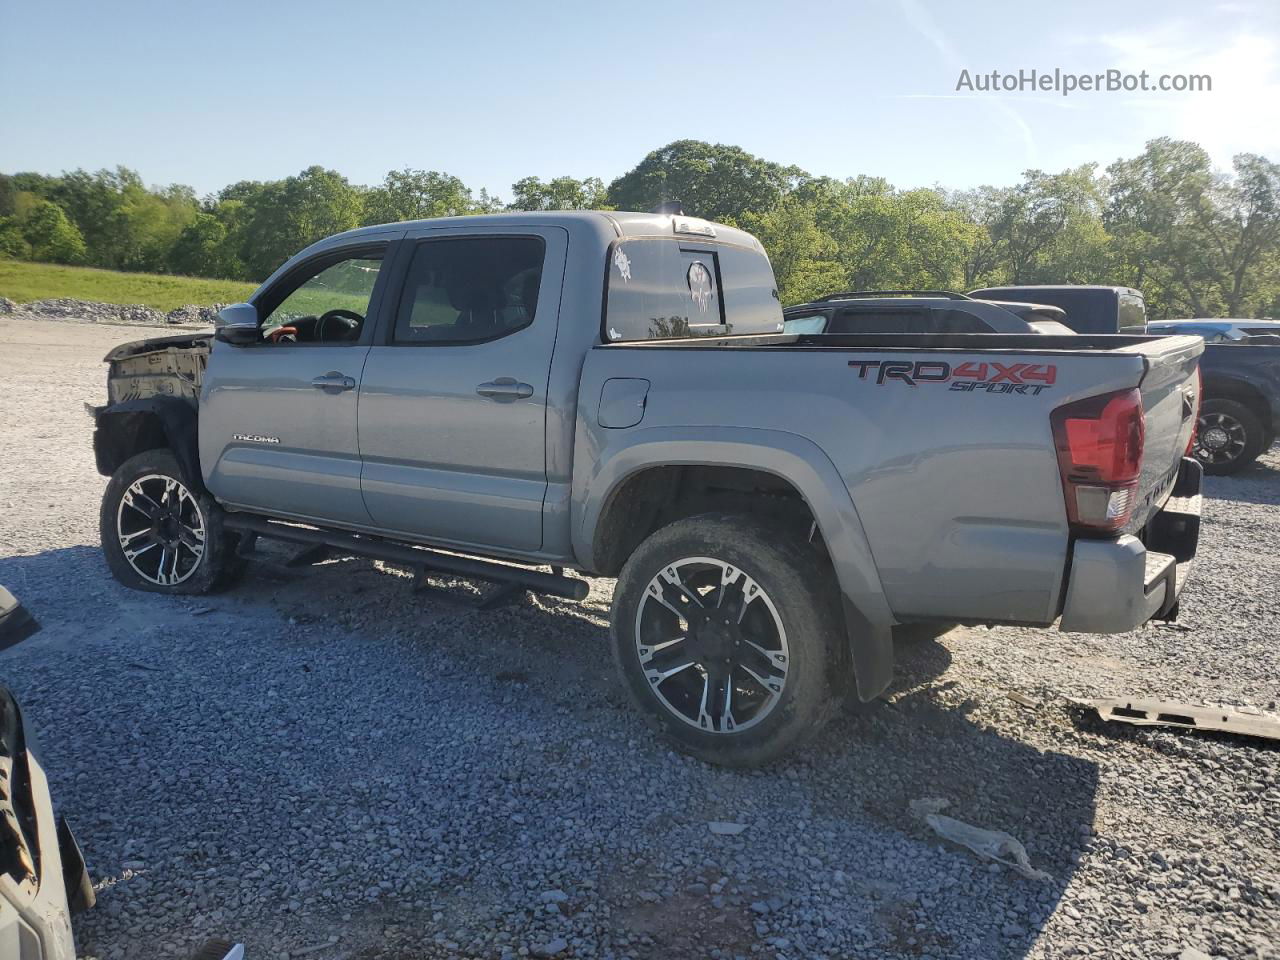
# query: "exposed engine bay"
[[158, 367]]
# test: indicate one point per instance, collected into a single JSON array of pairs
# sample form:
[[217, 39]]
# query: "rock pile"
[[91, 311]]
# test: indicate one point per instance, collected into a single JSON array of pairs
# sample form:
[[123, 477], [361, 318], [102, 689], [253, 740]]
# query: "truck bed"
[[944, 443]]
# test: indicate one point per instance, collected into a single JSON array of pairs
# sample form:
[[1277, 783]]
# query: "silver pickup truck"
[[611, 393]]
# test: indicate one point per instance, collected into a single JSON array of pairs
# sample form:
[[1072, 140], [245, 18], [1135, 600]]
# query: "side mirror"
[[237, 323]]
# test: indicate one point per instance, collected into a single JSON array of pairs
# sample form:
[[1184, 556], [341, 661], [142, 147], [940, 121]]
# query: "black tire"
[[173, 535], [793, 613], [1229, 436]]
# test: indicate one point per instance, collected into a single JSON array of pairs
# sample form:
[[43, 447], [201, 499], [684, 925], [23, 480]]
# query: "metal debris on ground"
[[723, 829], [1022, 699], [1169, 713]]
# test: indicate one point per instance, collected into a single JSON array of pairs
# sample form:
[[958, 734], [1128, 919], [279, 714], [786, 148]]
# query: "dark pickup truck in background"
[[1240, 406], [1090, 308], [1240, 403]]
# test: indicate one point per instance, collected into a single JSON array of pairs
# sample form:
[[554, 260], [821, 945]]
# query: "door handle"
[[505, 389], [335, 381]]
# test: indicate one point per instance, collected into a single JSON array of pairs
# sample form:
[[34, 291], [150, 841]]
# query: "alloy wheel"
[[1220, 438], [161, 529], [712, 645]]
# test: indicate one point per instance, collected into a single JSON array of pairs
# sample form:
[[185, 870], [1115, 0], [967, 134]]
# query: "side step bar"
[[570, 588]]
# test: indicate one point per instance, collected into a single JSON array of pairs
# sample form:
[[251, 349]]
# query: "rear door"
[[453, 402], [278, 417]]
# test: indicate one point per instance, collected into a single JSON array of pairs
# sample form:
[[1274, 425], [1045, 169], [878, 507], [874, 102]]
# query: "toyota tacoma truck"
[[611, 394]]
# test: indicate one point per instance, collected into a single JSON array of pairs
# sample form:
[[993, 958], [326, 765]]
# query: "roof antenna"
[[669, 208]]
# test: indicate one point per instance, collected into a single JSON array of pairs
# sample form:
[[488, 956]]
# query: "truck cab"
[[1090, 308]]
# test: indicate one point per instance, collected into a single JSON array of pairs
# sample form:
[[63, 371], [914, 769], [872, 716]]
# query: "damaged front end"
[[153, 395], [159, 367]]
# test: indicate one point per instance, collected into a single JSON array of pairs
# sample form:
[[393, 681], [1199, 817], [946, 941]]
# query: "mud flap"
[[870, 650]]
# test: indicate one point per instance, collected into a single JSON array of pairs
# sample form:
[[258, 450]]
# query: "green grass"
[[24, 282]]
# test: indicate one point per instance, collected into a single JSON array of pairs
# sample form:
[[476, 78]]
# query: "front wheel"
[[727, 633], [160, 535], [1229, 436]]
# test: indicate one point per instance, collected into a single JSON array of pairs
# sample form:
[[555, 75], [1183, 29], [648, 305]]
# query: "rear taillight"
[[1099, 443]]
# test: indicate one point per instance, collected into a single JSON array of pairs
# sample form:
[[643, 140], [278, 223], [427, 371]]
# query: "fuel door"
[[622, 401]]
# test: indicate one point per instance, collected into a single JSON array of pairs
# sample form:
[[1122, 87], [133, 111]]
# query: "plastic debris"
[[1246, 721], [927, 805], [988, 844]]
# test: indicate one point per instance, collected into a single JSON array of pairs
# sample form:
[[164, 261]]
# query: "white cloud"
[[925, 25], [1242, 111]]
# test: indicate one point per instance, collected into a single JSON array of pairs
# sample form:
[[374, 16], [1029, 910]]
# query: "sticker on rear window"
[[700, 289], [623, 263]]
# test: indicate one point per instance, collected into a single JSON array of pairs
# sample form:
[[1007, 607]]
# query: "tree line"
[[1196, 240]]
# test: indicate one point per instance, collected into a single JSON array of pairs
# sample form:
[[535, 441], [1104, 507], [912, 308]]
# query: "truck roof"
[[621, 223], [1055, 286]]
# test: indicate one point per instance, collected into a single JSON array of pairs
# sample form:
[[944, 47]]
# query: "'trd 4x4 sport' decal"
[[991, 377]]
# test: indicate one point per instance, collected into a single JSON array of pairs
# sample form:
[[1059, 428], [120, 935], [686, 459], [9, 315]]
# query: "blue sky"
[[211, 93]]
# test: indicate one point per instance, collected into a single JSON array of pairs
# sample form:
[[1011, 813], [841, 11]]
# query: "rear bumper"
[[1117, 585]]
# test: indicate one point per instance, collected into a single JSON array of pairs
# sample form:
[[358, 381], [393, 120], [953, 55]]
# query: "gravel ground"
[[324, 764]]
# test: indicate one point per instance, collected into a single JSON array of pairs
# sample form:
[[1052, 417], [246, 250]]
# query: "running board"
[[421, 558]]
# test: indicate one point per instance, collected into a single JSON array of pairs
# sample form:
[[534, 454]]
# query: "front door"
[[453, 401], [278, 417]]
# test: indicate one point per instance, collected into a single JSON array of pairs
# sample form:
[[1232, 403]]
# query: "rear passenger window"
[[470, 289], [661, 289], [957, 321]]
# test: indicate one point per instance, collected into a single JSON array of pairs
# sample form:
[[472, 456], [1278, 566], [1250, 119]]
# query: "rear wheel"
[[1229, 436], [157, 533], [726, 633]]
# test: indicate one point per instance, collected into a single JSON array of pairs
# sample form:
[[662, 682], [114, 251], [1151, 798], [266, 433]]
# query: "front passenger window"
[[331, 306]]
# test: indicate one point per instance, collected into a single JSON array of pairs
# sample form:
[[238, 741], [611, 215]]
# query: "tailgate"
[[1170, 398]]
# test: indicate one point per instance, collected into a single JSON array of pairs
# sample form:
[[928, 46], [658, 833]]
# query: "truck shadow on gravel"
[[850, 871], [1258, 483]]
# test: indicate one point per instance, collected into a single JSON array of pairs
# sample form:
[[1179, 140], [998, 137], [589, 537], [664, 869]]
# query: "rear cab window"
[[662, 288], [1131, 312]]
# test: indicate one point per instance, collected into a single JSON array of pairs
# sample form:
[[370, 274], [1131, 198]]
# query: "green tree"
[[1048, 228], [13, 245], [203, 250], [803, 255], [52, 237], [287, 215], [715, 181], [561, 193], [421, 194], [1206, 241]]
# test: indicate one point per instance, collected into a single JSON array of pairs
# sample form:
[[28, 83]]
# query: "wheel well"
[[126, 434], [652, 498], [1250, 396], [150, 423]]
